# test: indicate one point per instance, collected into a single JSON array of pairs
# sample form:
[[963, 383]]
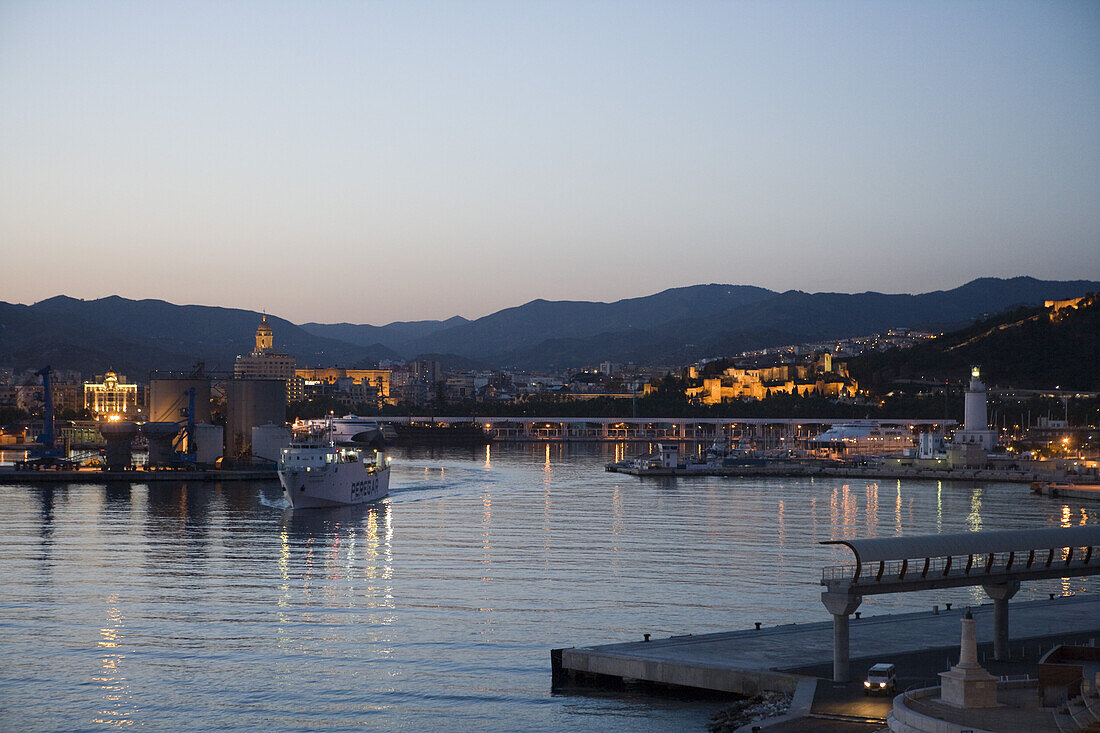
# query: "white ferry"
[[349, 428], [321, 474], [863, 437]]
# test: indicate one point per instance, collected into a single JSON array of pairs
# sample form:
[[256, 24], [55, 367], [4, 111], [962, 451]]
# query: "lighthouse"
[[975, 429], [975, 412]]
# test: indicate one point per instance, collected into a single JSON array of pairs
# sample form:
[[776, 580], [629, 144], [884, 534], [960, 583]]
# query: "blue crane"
[[45, 451]]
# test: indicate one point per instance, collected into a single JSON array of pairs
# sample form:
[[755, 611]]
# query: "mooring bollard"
[[758, 626], [948, 606], [646, 636]]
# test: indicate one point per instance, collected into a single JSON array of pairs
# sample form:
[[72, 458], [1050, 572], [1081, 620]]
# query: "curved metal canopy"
[[969, 543]]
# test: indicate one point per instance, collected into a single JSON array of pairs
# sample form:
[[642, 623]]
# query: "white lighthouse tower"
[[975, 429]]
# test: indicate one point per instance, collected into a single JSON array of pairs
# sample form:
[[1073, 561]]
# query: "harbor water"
[[211, 606]]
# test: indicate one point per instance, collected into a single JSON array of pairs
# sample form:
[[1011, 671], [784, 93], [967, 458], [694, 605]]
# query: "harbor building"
[[111, 397], [335, 376], [264, 362]]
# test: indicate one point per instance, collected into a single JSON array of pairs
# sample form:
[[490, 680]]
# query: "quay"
[[778, 658], [796, 469], [769, 430], [47, 476], [1068, 491]]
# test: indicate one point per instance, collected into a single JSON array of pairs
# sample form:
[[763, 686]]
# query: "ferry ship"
[[322, 474], [863, 437], [347, 429]]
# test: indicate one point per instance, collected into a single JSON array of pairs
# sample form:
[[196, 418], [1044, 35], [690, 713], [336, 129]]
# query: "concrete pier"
[[1091, 492], [796, 469], [747, 662], [11, 476]]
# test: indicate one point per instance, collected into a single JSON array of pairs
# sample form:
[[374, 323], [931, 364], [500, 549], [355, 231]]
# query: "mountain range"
[[672, 327]]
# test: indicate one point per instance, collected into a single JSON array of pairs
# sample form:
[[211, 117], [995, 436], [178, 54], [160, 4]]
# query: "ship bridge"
[[998, 561]]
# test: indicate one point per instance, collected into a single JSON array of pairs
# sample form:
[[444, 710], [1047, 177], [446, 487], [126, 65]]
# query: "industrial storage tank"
[[161, 436], [208, 444], [249, 404], [169, 398], [268, 442]]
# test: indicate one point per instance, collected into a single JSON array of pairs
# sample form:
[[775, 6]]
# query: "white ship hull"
[[336, 484]]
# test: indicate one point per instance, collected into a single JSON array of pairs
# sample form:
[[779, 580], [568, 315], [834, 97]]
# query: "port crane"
[[45, 451]]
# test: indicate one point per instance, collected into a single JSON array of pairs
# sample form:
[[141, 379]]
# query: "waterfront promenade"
[[777, 658]]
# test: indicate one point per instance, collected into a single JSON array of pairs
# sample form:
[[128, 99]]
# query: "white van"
[[880, 678]]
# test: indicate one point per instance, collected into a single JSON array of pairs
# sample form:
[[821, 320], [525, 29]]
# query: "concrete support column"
[[841, 669], [840, 605], [1000, 594]]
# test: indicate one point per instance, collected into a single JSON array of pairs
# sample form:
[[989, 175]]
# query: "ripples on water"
[[211, 606]]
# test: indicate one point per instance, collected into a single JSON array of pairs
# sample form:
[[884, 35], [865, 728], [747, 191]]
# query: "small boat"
[[323, 474]]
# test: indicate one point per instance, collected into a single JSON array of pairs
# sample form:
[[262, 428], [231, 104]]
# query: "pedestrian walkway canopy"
[[965, 558], [998, 561]]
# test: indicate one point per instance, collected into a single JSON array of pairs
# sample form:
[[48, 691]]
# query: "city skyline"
[[369, 164]]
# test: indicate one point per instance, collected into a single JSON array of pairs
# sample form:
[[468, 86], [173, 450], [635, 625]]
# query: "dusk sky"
[[371, 161]]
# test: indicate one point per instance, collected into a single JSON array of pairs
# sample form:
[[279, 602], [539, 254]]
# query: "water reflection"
[[872, 508], [974, 519], [117, 710], [343, 555], [117, 493], [487, 530], [939, 507], [897, 511], [781, 525], [438, 603]]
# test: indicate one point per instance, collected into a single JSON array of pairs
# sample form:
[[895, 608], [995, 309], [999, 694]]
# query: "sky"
[[371, 162]]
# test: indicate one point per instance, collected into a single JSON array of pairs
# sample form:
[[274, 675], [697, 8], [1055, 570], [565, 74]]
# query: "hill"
[[669, 328], [398, 333], [685, 324], [136, 336], [1026, 348]]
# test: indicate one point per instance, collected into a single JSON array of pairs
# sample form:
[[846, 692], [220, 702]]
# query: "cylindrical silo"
[[169, 398], [268, 442], [208, 444], [249, 404]]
